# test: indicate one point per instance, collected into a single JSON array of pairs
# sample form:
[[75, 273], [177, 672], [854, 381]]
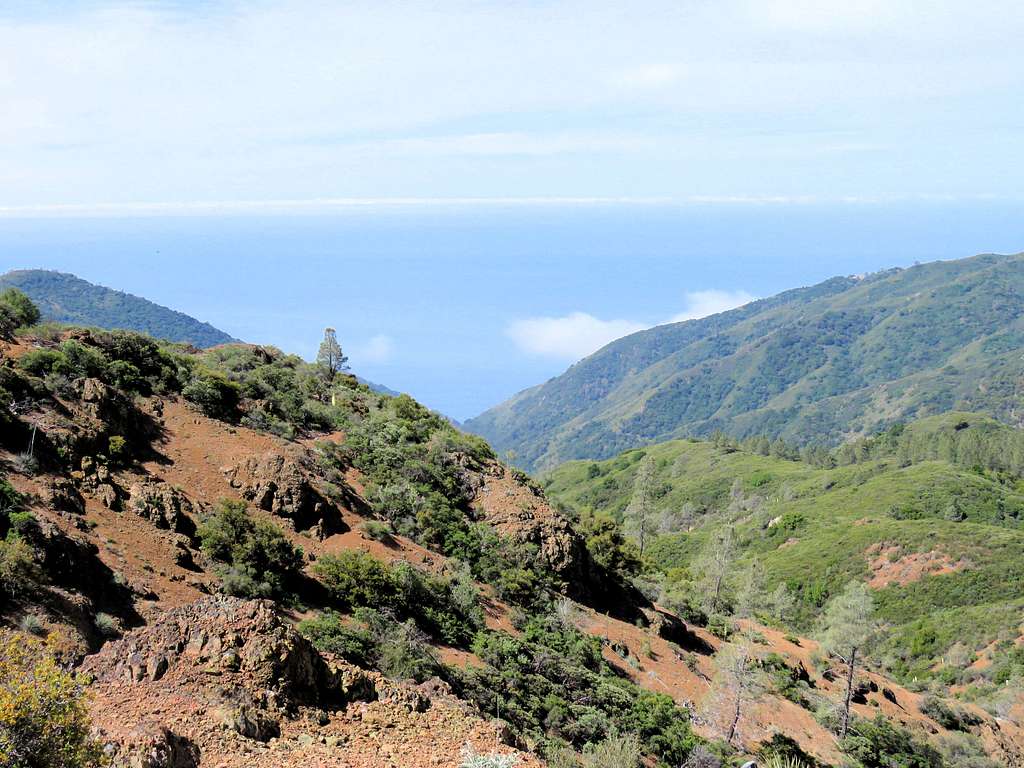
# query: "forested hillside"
[[930, 515], [65, 298], [821, 364]]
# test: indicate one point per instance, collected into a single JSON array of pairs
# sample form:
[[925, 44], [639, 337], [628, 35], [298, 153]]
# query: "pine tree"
[[717, 565], [848, 627], [738, 682], [641, 507], [330, 359]]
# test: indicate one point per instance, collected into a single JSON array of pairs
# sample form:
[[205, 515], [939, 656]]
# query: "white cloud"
[[569, 338], [703, 303], [376, 350], [579, 334]]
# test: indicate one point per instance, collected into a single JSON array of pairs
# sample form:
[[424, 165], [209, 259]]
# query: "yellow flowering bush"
[[43, 720]]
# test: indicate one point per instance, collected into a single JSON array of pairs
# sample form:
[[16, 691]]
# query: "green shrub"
[[330, 633], [107, 625], [117, 448], [39, 362], [356, 579], [16, 310], [441, 606], [19, 573], [880, 743], [949, 717], [375, 639], [257, 559], [43, 718], [376, 530], [214, 395]]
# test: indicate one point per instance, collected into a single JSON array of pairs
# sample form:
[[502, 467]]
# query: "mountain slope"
[[815, 364], [416, 543], [65, 298], [931, 517]]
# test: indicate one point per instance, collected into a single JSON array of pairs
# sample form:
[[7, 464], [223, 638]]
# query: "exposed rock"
[[62, 495], [250, 722], [281, 485], [674, 630], [273, 663], [108, 496], [151, 746], [162, 504], [518, 510]]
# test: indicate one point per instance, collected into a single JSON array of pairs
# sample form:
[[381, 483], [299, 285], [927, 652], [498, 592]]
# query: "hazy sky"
[[186, 102], [478, 193]]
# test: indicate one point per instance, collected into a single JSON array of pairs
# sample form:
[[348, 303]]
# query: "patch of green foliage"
[[879, 743], [19, 572], [554, 687], [446, 607], [255, 557], [950, 717], [377, 640], [16, 311], [126, 360], [814, 526]]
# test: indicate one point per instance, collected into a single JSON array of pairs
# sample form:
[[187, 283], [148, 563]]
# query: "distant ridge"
[[66, 298], [820, 364]]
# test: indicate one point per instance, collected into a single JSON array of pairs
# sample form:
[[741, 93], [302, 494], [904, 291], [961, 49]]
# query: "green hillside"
[[945, 493], [842, 358], [65, 298]]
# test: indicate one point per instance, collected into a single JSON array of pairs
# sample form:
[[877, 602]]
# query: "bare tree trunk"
[[849, 694], [735, 722]]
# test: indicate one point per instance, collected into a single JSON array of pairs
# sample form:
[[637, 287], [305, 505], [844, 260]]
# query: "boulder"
[[153, 746], [162, 504], [281, 485]]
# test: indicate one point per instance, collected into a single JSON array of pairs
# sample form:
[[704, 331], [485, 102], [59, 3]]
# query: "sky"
[[186, 103], [477, 194]]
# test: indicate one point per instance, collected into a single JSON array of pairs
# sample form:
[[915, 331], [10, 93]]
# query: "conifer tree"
[[848, 627], [330, 359]]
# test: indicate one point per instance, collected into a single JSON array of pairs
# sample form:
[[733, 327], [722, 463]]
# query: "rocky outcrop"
[[281, 485], [62, 495], [517, 509], [246, 645], [152, 746], [162, 504]]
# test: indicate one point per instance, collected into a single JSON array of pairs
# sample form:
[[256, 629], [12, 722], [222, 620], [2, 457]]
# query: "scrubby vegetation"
[[553, 685], [255, 557], [742, 530], [880, 744], [376, 640], [43, 720], [16, 311], [445, 607], [18, 570]]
